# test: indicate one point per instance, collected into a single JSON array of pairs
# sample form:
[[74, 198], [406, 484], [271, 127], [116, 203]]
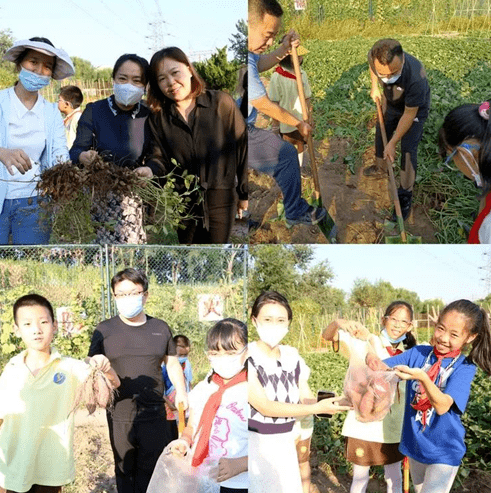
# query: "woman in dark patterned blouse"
[[204, 131], [115, 129]]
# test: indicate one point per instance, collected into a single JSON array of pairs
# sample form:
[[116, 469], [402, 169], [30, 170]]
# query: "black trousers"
[[222, 206], [136, 448]]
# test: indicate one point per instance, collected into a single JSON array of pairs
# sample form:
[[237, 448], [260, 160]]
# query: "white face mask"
[[390, 80], [128, 94], [227, 366], [272, 335], [130, 306]]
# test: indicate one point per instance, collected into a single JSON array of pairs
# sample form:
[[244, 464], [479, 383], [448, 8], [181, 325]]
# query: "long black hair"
[[465, 122], [477, 323]]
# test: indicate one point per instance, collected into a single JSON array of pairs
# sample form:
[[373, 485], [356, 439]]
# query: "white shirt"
[[27, 132], [229, 435]]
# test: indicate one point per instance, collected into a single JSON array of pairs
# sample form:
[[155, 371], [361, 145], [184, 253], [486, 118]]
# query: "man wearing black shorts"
[[136, 344], [405, 102]]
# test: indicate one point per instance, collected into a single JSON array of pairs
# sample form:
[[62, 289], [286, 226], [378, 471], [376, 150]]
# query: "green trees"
[[218, 72], [238, 41], [288, 270], [7, 72]]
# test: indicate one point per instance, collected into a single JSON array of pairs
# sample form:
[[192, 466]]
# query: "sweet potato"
[[370, 393]]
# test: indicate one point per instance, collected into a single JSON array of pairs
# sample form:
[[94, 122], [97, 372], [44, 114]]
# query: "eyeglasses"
[[126, 295], [402, 323]]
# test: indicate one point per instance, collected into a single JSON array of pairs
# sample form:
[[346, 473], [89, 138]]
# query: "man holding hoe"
[[268, 153], [405, 103]]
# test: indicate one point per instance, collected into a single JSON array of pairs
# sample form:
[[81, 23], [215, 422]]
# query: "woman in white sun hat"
[[32, 138]]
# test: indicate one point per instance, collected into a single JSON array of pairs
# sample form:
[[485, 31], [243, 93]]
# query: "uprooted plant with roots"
[[96, 392]]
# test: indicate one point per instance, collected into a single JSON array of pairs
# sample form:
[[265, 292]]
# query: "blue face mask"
[[130, 306], [128, 94], [393, 341], [33, 82]]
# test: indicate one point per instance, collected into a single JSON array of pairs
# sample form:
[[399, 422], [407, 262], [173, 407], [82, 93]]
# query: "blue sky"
[[448, 272], [102, 30]]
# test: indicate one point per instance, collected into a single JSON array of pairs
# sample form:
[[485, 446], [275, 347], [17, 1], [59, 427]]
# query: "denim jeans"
[[22, 218], [270, 154]]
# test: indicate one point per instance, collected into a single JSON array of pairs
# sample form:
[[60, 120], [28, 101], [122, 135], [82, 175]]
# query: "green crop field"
[[459, 71]]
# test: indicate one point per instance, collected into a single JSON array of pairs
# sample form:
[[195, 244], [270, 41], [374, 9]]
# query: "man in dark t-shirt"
[[136, 344], [405, 101]]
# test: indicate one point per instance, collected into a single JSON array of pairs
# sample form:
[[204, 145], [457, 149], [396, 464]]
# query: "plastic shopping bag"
[[371, 393], [176, 475]]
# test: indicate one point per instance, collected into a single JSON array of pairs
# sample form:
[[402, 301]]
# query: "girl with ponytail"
[[439, 381], [466, 135]]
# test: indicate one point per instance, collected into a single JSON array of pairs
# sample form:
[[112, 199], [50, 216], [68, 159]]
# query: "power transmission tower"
[[487, 271], [157, 38], [198, 56]]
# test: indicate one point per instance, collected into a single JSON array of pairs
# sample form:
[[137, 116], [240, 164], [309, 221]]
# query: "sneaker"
[[405, 199], [373, 170], [313, 215]]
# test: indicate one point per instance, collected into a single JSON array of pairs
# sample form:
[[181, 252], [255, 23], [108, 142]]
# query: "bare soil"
[[360, 205], [95, 465]]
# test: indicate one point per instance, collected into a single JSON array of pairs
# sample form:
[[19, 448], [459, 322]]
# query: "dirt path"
[[360, 205], [93, 455]]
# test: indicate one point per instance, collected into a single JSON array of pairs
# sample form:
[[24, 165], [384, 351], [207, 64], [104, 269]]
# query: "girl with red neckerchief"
[[217, 425], [439, 380], [375, 443]]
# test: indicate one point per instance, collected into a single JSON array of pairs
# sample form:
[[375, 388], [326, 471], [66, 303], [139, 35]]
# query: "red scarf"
[[284, 73], [209, 413], [393, 351], [421, 401], [474, 233]]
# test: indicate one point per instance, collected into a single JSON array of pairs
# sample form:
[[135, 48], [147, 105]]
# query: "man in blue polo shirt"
[[268, 153]]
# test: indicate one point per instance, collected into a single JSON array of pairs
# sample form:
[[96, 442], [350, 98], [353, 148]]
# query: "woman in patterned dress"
[[278, 393]]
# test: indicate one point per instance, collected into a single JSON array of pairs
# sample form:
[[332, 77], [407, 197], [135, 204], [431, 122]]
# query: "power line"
[[119, 17], [97, 20]]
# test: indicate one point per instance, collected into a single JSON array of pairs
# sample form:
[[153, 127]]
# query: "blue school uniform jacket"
[[442, 441]]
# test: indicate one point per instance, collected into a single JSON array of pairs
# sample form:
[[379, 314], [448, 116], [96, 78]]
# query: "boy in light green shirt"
[[37, 393]]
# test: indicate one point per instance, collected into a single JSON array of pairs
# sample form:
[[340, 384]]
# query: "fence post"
[[103, 287], [108, 280]]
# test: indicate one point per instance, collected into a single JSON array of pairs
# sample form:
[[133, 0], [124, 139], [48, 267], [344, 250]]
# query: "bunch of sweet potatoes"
[[371, 393]]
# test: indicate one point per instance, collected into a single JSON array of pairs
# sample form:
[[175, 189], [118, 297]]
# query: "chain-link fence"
[[189, 287], [410, 11]]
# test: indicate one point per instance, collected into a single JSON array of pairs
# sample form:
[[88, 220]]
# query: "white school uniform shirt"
[[27, 132], [229, 434]]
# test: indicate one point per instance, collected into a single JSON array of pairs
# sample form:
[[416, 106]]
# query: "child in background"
[[439, 381], [375, 443], [182, 348], [69, 102], [217, 426], [283, 90], [278, 393], [38, 389]]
